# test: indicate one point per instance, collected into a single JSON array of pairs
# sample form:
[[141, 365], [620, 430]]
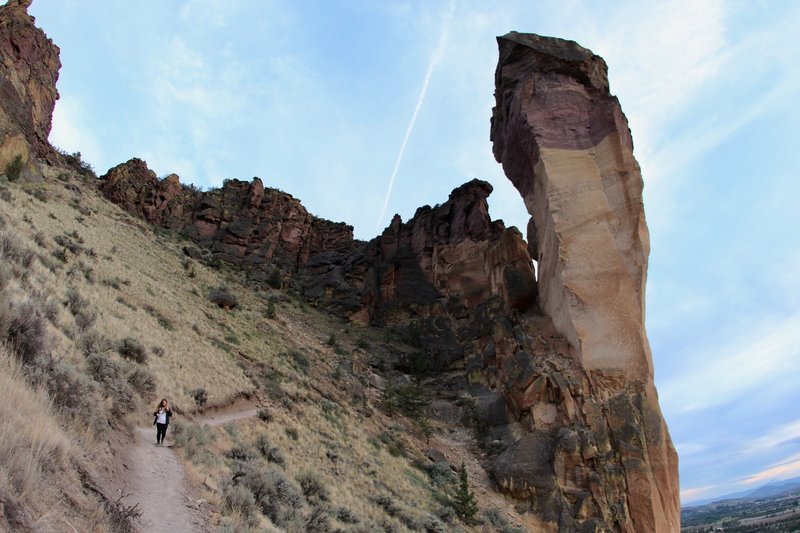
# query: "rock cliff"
[[29, 65], [565, 144], [262, 230]]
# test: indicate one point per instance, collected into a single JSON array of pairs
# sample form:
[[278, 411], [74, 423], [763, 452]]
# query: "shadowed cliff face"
[[565, 144]]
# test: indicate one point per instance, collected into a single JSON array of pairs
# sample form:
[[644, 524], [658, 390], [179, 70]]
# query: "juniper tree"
[[464, 501]]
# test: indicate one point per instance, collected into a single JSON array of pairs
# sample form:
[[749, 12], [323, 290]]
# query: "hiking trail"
[[157, 482]]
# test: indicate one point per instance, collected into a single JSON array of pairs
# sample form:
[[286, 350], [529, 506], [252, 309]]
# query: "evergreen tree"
[[464, 501]]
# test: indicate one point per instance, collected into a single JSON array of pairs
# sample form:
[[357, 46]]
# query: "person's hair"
[[162, 402]]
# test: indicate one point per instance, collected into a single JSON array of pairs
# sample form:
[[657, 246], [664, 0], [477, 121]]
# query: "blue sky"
[[316, 98]]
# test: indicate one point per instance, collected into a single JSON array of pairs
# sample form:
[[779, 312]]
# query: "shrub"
[[85, 319], [270, 312], [238, 500], [25, 331], [313, 487], [386, 503], [93, 342], [75, 161], [264, 414], [191, 437], [143, 382], [317, 521], [75, 302], [298, 359], [275, 495], [158, 351], [13, 168], [440, 474], [111, 374], [431, 524], [131, 349], [395, 446], [241, 452], [71, 391], [223, 298], [200, 396], [103, 369], [13, 250], [346, 516], [269, 452]]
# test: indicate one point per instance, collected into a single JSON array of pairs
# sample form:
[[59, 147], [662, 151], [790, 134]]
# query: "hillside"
[[320, 383], [93, 284]]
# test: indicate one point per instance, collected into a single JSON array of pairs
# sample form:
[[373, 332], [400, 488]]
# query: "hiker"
[[162, 414]]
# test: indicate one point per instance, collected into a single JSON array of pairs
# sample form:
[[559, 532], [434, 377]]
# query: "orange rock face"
[[565, 144], [29, 64]]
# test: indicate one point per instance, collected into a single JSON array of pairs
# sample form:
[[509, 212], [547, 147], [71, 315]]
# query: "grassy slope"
[[137, 284]]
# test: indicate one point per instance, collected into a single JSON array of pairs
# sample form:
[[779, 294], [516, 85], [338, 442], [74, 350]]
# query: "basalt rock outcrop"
[[449, 258], [565, 144], [29, 65], [263, 230]]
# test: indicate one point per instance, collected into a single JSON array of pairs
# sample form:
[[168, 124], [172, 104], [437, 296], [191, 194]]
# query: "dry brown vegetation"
[[102, 314]]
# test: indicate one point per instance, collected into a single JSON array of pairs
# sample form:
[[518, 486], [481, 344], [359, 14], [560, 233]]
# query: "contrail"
[[434, 62]]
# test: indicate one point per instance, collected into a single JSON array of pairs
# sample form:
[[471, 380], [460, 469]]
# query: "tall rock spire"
[[565, 144]]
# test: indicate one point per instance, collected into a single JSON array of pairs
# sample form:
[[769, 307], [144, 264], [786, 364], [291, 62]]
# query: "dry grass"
[[37, 458], [136, 283]]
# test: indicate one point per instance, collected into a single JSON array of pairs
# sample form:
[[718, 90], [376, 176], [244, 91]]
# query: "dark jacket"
[[155, 415]]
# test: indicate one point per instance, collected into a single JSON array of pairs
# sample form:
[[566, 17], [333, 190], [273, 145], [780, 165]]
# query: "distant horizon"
[[361, 111]]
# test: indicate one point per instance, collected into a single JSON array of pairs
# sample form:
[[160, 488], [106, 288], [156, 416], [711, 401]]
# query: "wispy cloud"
[[788, 467], [688, 495], [434, 62], [727, 372], [776, 437]]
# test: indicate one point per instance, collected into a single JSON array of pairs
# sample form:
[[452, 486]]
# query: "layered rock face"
[[451, 257], [259, 229], [565, 144], [29, 65]]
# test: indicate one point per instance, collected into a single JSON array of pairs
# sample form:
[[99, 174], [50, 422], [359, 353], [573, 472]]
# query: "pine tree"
[[464, 501]]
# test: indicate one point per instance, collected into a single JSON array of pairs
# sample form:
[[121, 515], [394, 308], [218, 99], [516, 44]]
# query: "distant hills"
[[764, 491]]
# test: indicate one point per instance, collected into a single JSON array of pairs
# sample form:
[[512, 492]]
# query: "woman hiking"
[[162, 414]]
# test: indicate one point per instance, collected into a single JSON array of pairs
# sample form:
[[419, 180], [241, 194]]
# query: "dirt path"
[[157, 482]]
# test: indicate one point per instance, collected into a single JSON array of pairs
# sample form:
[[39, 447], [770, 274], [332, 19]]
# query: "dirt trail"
[[157, 482]]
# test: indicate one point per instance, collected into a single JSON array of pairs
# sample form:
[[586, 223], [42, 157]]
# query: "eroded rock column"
[[565, 144]]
